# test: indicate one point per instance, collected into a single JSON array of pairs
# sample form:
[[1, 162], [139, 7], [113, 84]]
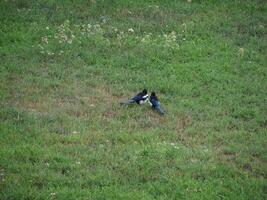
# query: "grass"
[[66, 65]]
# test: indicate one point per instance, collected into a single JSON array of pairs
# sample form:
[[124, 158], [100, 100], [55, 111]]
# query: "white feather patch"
[[145, 96], [143, 101]]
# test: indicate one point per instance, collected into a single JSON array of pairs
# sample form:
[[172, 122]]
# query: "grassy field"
[[65, 65]]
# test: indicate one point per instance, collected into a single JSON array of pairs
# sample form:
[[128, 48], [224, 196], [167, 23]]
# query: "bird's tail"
[[131, 101], [160, 110]]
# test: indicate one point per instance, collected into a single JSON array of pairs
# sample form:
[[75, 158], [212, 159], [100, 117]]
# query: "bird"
[[139, 98], [155, 104]]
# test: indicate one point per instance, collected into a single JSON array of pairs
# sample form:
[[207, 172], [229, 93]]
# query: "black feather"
[[138, 98], [155, 104]]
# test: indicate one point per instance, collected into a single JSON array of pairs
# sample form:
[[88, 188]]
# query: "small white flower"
[[78, 162], [52, 193], [130, 30], [45, 39], [47, 28], [75, 132]]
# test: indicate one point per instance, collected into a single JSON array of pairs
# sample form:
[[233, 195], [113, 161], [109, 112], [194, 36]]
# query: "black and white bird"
[[155, 104], [140, 98]]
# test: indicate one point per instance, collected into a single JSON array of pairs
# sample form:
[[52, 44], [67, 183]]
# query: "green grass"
[[65, 66]]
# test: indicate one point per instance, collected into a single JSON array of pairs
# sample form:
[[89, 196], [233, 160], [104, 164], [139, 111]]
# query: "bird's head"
[[153, 94], [145, 91]]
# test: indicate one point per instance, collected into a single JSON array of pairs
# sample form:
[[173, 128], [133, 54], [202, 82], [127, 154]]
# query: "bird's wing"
[[137, 97], [140, 96], [154, 102]]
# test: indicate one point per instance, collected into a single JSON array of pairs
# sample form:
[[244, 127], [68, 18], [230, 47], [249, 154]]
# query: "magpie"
[[155, 104], [140, 98]]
